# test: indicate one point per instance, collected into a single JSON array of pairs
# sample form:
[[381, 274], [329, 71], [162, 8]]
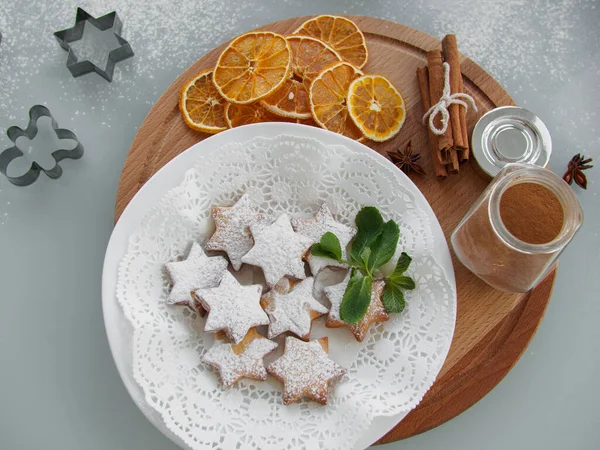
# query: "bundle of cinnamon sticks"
[[452, 147]]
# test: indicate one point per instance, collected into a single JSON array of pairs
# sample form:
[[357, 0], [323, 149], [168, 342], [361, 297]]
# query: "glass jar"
[[483, 244]]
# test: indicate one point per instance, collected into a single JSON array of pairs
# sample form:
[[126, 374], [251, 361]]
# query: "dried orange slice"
[[339, 33], [238, 115], [328, 99], [376, 107], [290, 100], [252, 66], [309, 57], [201, 105], [310, 121]]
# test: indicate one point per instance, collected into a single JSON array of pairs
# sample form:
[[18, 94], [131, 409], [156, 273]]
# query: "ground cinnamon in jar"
[[515, 231], [531, 213]]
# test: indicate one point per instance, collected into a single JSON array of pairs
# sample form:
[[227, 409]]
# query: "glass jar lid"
[[510, 135]]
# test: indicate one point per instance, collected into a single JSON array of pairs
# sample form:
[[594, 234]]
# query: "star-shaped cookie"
[[232, 234], [243, 360], [292, 310], [375, 314], [197, 271], [305, 370], [278, 250], [315, 228], [232, 308]]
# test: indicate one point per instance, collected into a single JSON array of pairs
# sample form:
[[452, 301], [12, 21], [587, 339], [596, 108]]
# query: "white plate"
[[118, 328]]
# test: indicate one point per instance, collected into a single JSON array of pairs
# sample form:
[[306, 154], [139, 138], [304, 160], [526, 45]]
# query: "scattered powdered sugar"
[[232, 307], [232, 234], [278, 250], [506, 37], [197, 271], [166, 38], [533, 48], [305, 370], [376, 312], [315, 228], [292, 310], [233, 366]]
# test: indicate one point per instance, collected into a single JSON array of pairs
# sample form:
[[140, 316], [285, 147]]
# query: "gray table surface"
[[58, 384]]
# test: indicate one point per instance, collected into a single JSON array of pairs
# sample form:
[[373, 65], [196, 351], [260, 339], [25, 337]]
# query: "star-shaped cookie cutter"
[[81, 67], [14, 132]]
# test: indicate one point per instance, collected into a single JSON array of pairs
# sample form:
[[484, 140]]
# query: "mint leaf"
[[404, 282], [402, 264], [369, 223], [393, 298], [397, 276], [364, 257], [356, 299], [318, 250], [328, 247], [368, 218], [331, 243], [384, 246]]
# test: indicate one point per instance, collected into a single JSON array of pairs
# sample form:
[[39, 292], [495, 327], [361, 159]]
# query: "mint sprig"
[[373, 246], [393, 297]]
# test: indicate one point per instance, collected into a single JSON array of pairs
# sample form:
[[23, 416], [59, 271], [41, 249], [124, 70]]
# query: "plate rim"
[[134, 213]]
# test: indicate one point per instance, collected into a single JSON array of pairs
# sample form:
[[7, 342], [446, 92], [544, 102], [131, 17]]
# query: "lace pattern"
[[388, 373]]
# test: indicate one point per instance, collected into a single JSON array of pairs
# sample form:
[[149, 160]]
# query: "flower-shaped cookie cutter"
[[11, 153], [79, 67]]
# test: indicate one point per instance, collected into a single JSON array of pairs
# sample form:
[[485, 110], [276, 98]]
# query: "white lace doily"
[[388, 373]]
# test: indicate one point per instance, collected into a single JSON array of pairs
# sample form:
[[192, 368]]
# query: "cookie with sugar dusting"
[[278, 250], [243, 360], [232, 233], [232, 307], [197, 271], [305, 370], [292, 309], [315, 228], [376, 312]]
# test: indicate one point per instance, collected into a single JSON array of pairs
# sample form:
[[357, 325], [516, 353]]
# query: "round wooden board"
[[493, 328]]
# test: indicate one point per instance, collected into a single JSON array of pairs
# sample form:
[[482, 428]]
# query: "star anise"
[[406, 161], [575, 170]]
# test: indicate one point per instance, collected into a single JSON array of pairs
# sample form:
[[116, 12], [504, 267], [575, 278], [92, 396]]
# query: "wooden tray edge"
[[515, 333]]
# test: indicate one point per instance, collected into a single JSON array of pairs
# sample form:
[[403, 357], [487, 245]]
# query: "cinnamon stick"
[[438, 167], [453, 164], [464, 154], [457, 112], [436, 87], [450, 51]]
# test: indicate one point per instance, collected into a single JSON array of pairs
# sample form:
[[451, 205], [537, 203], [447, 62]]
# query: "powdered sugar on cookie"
[[278, 250], [232, 307], [244, 360], [197, 271], [315, 228], [232, 234], [305, 370], [293, 310]]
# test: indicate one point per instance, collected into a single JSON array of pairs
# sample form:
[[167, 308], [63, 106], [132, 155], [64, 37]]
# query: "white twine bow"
[[446, 100]]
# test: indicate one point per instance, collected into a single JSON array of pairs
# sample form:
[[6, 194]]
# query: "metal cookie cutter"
[[81, 67], [30, 132]]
